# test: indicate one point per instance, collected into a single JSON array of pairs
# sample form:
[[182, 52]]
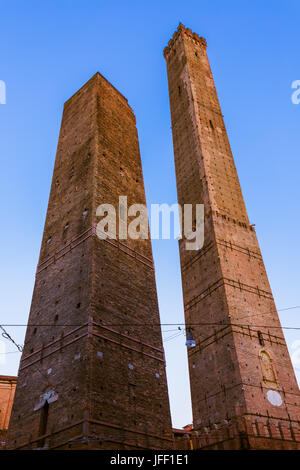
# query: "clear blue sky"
[[49, 49]]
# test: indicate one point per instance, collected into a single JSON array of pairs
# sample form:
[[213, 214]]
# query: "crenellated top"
[[183, 31]]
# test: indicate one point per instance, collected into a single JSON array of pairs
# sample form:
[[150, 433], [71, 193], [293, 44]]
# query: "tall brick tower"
[[244, 391], [92, 374]]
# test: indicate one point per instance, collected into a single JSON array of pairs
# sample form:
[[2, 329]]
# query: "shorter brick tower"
[[243, 387], [92, 373]]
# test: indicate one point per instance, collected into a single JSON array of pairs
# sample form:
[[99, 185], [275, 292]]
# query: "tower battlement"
[[242, 432], [187, 32]]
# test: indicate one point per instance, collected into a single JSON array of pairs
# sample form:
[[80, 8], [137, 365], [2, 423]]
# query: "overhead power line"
[[245, 325], [166, 324], [7, 336]]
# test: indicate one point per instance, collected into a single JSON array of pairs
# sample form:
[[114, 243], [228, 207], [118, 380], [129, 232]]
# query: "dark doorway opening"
[[43, 424]]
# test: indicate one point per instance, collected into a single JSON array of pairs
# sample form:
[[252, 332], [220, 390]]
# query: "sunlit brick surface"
[[99, 362], [241, 353]]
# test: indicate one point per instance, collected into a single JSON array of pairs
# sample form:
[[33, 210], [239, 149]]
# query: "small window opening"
[[49, 240], [260, 338], [179, 90], [211, 125]]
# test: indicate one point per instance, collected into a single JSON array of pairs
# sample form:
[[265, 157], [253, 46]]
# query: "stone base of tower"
[[91, 434], [242, 433]]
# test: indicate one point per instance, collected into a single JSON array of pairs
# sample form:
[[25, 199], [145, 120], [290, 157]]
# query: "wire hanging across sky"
[[180, 330], [165, 324]]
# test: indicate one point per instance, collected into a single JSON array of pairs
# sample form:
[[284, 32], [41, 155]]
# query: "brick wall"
[[240, 361], [7, 393], [89, 357]]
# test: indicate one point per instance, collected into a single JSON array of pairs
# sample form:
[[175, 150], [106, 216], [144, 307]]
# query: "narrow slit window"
[[260, 338]]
